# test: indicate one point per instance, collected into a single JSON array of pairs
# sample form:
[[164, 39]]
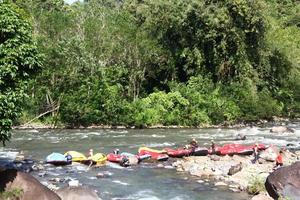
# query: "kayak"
[[155, 154], [117, 158], [200, 151], [236, 149], [76, 156], [178, 153], [260, 146], [57, 159], [98, 159], [152, 150]]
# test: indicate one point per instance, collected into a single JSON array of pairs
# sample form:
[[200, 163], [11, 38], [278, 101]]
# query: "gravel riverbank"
[[235, 172]]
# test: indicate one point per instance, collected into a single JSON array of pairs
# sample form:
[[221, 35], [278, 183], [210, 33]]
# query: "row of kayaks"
[[74, 156], [145, 153]]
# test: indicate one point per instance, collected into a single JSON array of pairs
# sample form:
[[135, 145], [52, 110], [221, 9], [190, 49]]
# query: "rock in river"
[[77, 193], [31, 188], [235, 168], [281, 129], [284, 182]]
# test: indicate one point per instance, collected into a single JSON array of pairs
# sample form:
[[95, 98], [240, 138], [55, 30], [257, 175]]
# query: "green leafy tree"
[[19, 60]]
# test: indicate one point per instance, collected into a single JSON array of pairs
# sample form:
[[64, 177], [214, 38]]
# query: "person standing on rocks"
[[255, 153], [213, 147], [279, 160]]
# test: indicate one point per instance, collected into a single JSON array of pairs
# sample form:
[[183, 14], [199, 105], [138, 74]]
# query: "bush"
[[14, 193], [256, 186]]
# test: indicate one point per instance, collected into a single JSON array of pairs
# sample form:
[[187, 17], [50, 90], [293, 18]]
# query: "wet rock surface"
[[281, 129]]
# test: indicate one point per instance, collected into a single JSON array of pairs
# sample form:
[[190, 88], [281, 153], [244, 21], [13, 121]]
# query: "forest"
[[143, 63]]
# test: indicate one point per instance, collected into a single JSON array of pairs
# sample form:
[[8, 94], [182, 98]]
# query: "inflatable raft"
[[178, 153], [97, 158], [159, 155], [58, 159]]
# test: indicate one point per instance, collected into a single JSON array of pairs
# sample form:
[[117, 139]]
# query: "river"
[[147, 180]]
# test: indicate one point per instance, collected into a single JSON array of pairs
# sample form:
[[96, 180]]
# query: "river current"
[[147, 180]]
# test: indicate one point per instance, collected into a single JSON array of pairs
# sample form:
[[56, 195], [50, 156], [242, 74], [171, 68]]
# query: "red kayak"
[[178, 153], [236, 149], [154, 155], [117, 158], [260, 147]]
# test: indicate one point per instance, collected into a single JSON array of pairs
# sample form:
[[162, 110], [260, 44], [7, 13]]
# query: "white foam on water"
[[11, 155], [84, 136], [165, 144], [120, 182], [114, 165], [33, 131], [94, 133], [140, 195], [275, 141], [118, 136], [118, 131], [158, 136]]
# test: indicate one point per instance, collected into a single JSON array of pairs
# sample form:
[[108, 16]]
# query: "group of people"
[[278, 160]]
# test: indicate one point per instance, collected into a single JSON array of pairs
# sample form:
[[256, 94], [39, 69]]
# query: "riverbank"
[[238, 173], [262, 123]]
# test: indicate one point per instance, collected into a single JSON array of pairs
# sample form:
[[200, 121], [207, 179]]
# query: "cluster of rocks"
[[236, 172]]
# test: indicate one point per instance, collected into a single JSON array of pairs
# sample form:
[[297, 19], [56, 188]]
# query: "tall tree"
[[19, 60]]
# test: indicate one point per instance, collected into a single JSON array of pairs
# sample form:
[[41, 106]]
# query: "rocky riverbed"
[[235, 172]]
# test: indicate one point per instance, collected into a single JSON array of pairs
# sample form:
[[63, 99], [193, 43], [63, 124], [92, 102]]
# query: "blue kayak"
[[58, 159]]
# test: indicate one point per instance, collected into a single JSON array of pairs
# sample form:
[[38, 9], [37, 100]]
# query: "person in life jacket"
[[279, 160]]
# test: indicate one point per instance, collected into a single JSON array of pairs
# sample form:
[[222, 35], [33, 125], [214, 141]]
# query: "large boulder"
[[269, 154], [284, 182], [281, 129], [31, 188], [240, 136], [77, 193]]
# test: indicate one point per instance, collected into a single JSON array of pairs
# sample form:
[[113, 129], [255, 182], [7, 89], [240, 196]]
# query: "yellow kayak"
[[76, 156], [151, 150], [98, 158]]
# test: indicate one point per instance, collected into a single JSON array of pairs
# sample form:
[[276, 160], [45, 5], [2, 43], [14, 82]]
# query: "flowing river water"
[[147, 180]]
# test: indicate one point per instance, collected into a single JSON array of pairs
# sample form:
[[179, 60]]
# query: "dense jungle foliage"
[[169, 62], [19, 60]]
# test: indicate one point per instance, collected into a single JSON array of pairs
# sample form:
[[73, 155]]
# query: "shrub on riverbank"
[[256, 186], [11, 194]]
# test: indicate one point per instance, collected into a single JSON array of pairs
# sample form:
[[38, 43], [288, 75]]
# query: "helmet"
[[116, 151], [68, 157]]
